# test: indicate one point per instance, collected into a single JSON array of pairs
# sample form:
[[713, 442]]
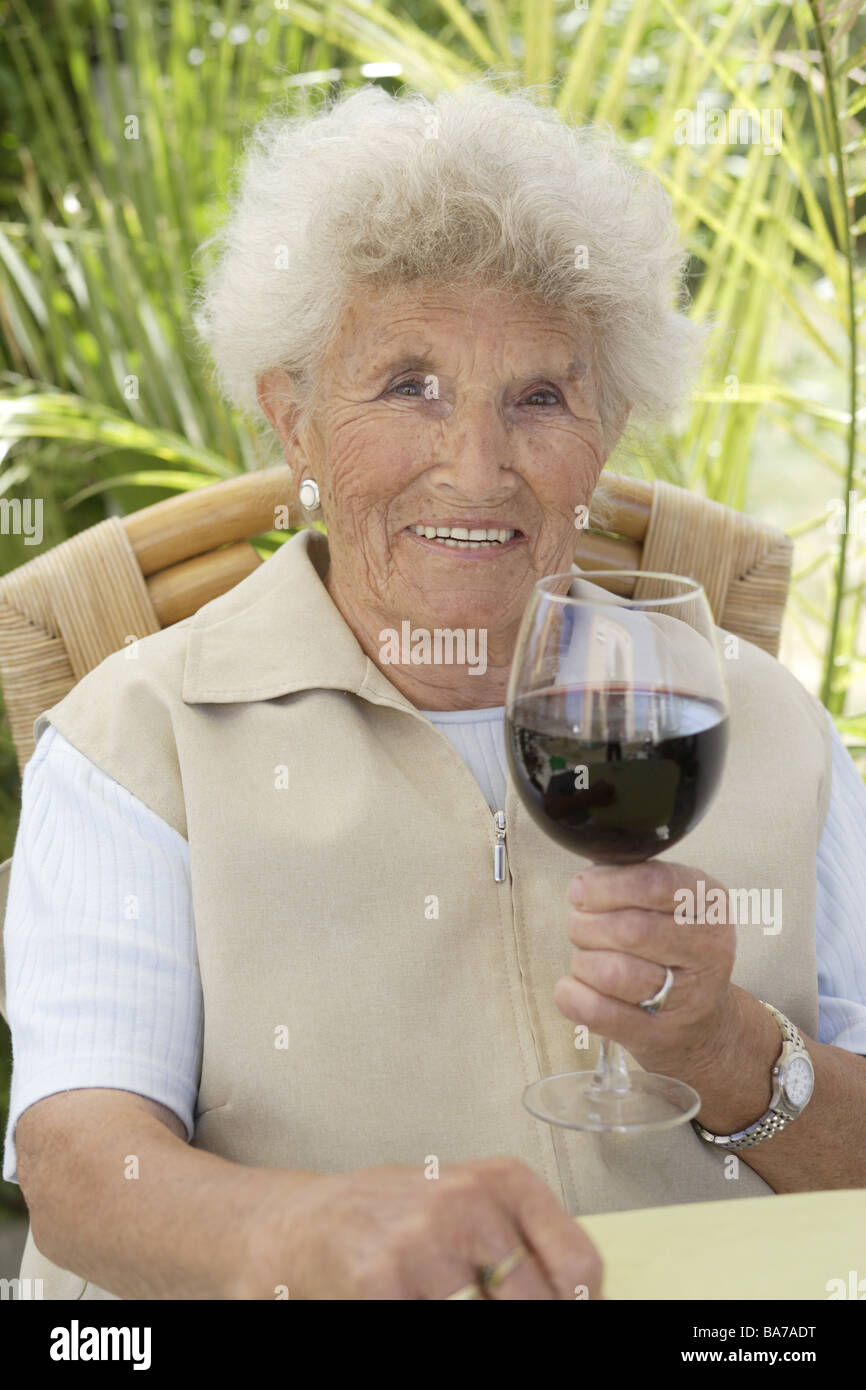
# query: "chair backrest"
[[64, 611]]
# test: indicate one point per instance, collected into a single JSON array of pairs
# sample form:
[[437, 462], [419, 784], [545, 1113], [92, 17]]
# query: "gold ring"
[[491, 1276], [468, 1291]]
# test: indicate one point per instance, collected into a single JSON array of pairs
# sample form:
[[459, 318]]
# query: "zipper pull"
[[499, 849]]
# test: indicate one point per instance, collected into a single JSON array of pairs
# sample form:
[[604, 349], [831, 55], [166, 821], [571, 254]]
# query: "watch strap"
[[764, 1128], [773, 1120], [787, 1029]]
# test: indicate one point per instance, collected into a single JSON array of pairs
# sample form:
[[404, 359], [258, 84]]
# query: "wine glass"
[[616, 733]]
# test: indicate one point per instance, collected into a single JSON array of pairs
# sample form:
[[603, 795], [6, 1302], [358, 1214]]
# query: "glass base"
[[574, 1100]]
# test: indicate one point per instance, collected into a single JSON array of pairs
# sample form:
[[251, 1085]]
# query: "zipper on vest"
[[499, 848]]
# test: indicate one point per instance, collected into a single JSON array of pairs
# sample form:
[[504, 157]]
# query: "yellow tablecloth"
[[757, 1247]]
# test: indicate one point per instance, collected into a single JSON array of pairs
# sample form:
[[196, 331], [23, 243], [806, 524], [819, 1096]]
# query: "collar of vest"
[[278, 632]]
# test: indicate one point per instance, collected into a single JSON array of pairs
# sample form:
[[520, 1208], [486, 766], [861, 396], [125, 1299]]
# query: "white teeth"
[[459, 535]]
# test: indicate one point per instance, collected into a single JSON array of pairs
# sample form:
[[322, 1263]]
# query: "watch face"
[[798, 1081]]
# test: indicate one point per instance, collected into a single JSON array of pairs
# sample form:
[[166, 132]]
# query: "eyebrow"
[[574, 370], [407, 361]]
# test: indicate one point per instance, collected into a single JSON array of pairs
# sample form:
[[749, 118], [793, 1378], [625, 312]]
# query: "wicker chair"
[[64, 611]]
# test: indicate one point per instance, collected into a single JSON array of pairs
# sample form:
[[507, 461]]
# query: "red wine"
[[616, 774]]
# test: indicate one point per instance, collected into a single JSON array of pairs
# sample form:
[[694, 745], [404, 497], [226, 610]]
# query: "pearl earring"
[[308, 493]]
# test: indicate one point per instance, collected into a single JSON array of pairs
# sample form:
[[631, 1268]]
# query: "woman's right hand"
[[391, 1232]]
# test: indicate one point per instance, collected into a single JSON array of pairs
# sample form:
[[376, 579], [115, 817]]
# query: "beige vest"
[[342, 874]]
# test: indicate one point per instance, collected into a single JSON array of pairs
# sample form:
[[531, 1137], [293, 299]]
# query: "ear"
[[274, 393]]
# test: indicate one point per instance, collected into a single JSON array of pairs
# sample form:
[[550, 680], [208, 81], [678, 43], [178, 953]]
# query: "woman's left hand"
[[624, 933]]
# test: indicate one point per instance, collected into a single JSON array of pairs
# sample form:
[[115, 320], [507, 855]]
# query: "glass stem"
[[611, 1073]]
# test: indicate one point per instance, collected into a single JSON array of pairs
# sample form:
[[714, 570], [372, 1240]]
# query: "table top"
[[791, 1246]]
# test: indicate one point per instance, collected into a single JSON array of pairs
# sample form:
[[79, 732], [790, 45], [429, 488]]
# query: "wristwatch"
[[792, 1080]]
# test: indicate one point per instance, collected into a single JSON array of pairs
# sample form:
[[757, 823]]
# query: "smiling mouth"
[[467, 537]]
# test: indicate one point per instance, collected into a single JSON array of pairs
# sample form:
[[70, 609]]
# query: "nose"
[[476, 462]]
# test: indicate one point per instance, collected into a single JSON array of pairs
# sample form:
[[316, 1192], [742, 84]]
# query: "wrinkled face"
[[472, 413]]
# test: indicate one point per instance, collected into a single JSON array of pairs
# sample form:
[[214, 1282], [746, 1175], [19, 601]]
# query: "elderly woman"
[[272, 1010]]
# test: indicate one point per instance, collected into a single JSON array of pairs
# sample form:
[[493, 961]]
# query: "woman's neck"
[[436, 669]]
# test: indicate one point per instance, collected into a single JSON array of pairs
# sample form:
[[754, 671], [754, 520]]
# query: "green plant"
[[96, 270]]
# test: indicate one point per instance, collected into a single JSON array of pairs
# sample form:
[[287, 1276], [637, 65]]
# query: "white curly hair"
[[373, 189]]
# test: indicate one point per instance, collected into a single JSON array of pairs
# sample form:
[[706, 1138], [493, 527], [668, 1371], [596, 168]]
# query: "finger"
[[440, 1273], [651, 936], [496, 1244], [563, 1251], [513, 1271], [610, 1018], [522, 1279], [436, 1272], [652, 884], [476, 1233], [619, 976]]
